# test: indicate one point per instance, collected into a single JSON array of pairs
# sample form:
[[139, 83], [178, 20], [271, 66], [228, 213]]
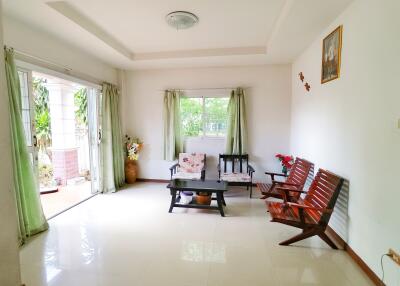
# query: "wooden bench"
[[312, 213], [300, 172]]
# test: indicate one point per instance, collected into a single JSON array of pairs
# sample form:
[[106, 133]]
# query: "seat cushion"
[[186, 176], [235, 177], [191, 162]]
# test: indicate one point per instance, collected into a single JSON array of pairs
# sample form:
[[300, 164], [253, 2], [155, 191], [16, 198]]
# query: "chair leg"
[[325, 238], [251, 190], [305, 234]]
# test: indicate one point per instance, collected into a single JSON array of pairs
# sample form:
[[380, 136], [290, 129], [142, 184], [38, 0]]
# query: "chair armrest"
[[250, 169], [275, 174], [173, 167], [300, 206], [286, 183], [272, 174], [285, 192]]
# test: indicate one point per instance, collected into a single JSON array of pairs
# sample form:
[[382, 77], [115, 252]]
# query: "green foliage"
[[216, 112], [42, 112], [191, 116], [81, 104], [212, 122]]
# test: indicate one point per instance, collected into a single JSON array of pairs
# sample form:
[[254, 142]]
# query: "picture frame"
[[331, 55]]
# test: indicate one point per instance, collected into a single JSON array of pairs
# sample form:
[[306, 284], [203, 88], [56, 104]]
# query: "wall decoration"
[[307, 86], [301, 76], [331, 53]]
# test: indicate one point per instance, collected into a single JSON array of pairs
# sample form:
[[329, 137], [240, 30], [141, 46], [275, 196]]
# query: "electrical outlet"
[[395, 256]]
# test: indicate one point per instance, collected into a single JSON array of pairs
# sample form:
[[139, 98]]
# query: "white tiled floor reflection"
[[129, 238]]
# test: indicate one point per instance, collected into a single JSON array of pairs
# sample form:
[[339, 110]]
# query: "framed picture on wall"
[[331, 53]]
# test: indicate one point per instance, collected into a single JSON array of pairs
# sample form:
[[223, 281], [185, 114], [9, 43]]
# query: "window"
[[204, 116]]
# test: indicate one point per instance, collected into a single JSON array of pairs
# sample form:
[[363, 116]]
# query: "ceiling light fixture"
[[181, 19]]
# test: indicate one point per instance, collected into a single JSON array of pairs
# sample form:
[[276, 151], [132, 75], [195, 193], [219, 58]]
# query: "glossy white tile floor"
[[129, 238]]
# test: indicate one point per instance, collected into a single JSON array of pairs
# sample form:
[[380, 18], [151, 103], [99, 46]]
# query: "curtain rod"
[[21, 53], [23, 56]]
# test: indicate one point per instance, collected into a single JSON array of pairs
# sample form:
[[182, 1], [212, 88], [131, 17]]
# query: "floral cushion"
[[235, 177], [187, 176], [191, 163]]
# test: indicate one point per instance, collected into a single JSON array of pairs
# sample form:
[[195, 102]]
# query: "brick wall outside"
[[65, 164]]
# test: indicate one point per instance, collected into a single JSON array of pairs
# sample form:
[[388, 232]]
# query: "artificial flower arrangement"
[[133, 147], [287, 162]]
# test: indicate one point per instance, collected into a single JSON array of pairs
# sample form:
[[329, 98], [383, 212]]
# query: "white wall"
[[27, 39], [268, 101], [350, 125], [9, 256]]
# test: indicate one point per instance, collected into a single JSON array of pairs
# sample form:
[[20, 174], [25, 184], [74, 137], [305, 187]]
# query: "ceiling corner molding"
[[219, 52], [279, 20], [70, 12]]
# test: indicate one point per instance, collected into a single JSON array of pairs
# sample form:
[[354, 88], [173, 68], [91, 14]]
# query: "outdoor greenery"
[[42, 113], [81, 104], [42, 120], [208, 117]]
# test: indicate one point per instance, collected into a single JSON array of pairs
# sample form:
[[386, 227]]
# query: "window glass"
[[215, 116], [26, 118], [204, 116]]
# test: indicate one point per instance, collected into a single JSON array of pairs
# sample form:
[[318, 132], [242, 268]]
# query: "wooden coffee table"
[[207, 186]]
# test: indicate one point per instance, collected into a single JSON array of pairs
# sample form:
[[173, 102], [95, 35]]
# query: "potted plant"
[[133, 147], [287, 162]]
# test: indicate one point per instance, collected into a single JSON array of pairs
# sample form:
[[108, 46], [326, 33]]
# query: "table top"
[[198, 185]]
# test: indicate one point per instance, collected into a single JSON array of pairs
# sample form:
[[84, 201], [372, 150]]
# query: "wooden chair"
[[190, 166], [234, 175], [312, 213], [300, 172]]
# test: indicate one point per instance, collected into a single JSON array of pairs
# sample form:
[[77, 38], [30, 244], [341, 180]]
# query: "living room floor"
[[129, 238]]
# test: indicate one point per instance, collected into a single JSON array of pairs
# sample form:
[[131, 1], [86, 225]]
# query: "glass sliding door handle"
[[35, 141]]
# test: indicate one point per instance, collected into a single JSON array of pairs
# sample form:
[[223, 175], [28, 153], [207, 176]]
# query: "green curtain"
[[236, 139], [30, 213], [172, 125], [112, 152]]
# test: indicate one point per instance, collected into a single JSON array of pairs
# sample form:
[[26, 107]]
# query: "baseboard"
[[152, 180], [357, 259]]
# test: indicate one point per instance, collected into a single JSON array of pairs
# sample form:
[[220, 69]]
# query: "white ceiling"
[[132, 34]]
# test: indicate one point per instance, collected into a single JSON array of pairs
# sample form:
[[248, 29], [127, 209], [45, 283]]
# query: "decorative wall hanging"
[[301, 76], [331, 53], [307, 86]]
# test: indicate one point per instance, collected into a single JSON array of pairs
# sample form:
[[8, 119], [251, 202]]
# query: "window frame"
[[203, 94]]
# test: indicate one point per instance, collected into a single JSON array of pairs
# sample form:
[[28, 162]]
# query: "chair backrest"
[[323, 193], [192, 162], [236, 162], [300, 172]]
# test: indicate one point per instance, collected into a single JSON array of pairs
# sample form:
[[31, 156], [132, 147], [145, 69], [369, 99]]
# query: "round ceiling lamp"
[[181, 19]]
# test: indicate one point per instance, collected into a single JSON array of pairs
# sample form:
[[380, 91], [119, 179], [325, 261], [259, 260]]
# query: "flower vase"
[[284, 170], [131, 171]]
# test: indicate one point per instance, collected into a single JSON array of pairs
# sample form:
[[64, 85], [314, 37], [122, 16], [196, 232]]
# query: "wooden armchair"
[[300, 172], [190, 166], [312, 213], [235, 176]]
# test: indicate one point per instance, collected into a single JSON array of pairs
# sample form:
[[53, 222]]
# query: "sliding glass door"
[[27, 112], [61, 121]]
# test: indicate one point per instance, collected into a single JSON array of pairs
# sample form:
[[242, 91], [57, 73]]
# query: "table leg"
[[223, 199], [219, 201], [173, 200]]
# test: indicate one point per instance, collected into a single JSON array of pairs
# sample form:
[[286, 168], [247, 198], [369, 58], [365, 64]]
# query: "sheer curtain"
[[111, 143], [172, 125], [29, 208], [236, 139]]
